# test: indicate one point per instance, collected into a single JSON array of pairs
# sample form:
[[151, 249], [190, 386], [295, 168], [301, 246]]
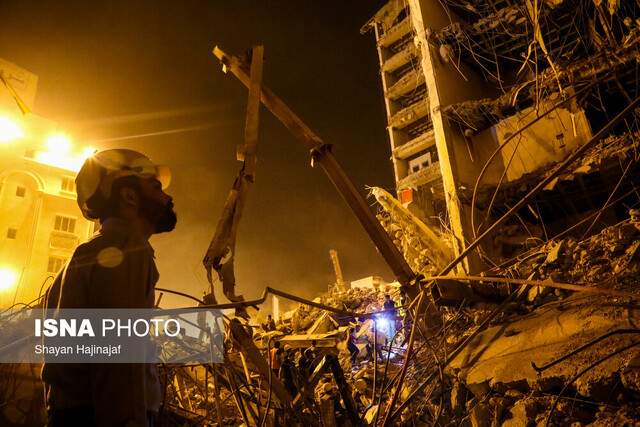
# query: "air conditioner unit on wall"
[[419, 163]]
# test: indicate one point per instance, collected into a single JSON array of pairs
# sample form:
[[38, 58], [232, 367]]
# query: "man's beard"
[[161, 217]]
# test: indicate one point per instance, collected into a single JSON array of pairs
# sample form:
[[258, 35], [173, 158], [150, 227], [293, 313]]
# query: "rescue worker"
[[361, 394], [390, 315], [304, 363], [269, 325], [205, 330], [287, 371], [351, 345], [275, 356], [377, 342], [123, 190], [331, 399]]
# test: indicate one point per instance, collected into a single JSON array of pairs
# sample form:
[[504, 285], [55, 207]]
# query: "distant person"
[[351, 345], [287, 372], [275, 357], [378, 342], [205, 330], [390, 315], [304, 363], [269, 325]]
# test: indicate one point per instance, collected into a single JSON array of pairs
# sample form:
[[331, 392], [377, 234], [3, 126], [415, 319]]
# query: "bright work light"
[[7, 279], [9, 130]]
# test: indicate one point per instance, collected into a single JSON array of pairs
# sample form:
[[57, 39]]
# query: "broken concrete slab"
[[499, 359]]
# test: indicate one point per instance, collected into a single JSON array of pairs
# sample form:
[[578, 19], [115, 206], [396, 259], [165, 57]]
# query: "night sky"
[[141, 75]]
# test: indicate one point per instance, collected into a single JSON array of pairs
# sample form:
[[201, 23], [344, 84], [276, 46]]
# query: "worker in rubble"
[[269, 325], [328, 393], [205, 329], [314, 356], [352, 339], [375, 344], [304, 363], [124, 191], [287, 371], [275, 357], [390, 314]]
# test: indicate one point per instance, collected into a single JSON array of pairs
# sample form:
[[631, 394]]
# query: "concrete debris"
[[480, 114], [425, 246], [609, 258], [491, 382]]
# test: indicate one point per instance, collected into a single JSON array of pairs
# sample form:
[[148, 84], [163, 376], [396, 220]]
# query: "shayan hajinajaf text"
[[87, 350]]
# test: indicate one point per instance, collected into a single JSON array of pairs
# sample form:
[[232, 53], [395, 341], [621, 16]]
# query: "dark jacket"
[[114, 269]]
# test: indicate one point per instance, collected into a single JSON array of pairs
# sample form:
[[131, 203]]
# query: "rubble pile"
[[492, 382], [424, 249], [190, 396], [608, 259], [365, 300], [410, 245]]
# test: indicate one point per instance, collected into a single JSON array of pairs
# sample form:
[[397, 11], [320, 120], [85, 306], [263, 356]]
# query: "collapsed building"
[[513, 128], [486, 97]]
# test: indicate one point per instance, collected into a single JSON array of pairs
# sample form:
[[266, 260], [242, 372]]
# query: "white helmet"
[[101, 169]]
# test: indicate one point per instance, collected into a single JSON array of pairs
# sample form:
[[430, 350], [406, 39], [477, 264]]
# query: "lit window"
[[55, 264], [12, 233], [68, 184], [65, 223], [20, 191]]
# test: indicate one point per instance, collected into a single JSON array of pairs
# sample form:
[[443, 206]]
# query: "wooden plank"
[[253, 108], [321, 152]]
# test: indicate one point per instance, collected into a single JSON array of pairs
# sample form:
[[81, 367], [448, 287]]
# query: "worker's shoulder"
[[119, 238]]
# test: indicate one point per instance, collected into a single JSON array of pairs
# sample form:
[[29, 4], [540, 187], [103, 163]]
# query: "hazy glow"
[[7, 279], [59, 144], [59, 161], [9, 130]]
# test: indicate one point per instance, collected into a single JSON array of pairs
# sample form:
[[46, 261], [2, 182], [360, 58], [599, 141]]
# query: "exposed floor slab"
[[500, 358]]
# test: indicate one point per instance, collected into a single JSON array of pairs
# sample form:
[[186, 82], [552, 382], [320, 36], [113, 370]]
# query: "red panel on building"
[[406, 196]]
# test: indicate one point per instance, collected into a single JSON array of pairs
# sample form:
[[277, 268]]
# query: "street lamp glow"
[[7, 279], [9, 130], [88, 152], [59, 144]]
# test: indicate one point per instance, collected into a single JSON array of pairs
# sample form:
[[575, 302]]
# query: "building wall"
[[31, 197]]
